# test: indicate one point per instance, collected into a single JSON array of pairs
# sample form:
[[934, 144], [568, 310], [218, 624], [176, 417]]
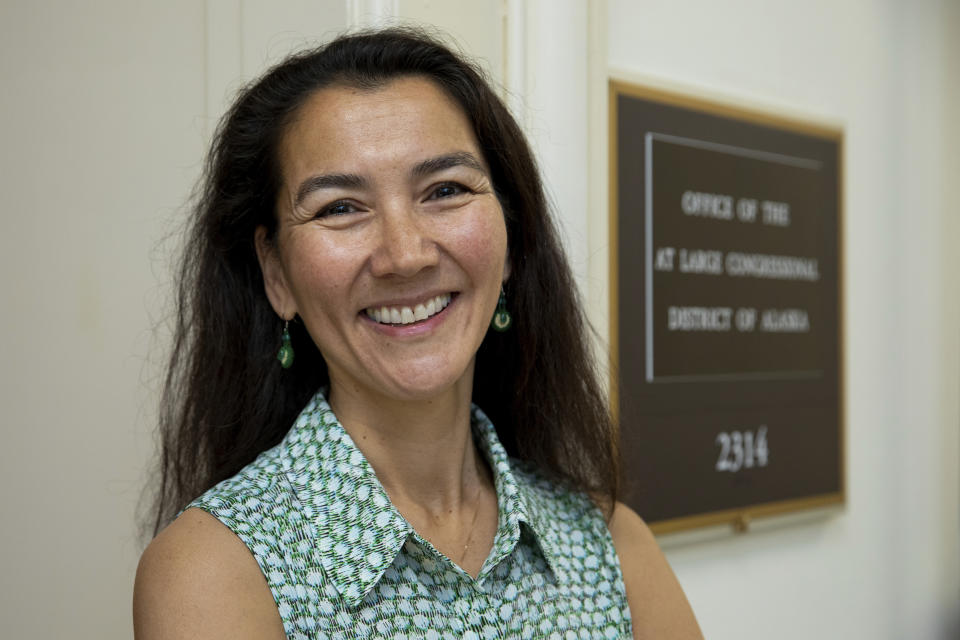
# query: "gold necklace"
[[473, 524]]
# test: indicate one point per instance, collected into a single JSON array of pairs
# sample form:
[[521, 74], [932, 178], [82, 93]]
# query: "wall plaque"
[[726, 309]]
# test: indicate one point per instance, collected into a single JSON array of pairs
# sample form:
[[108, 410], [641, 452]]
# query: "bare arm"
[[198, 580], [658, 607]]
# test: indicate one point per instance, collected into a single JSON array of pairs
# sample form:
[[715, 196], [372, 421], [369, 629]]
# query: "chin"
[[411, 379], [428, 385], [421, 392]]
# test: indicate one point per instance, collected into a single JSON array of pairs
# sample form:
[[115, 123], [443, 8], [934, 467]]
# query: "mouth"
[[404, 315]]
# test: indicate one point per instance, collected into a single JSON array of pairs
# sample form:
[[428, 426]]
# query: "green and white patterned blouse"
[[343, 563]]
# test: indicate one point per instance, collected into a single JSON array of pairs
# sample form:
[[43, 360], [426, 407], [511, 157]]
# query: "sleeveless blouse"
[[342, 563]]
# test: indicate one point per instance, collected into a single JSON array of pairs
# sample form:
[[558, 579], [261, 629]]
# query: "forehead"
[[347, 129]]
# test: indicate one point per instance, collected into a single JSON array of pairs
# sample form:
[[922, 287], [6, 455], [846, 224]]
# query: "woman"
[[367, 208]]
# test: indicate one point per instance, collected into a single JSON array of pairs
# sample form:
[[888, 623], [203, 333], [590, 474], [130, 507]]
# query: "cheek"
[[481, 243], [319, 271]]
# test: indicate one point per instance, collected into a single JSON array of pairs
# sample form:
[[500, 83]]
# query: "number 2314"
[[742, 449]]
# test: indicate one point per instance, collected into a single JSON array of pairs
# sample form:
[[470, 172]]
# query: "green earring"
[[285, 354], [501, 317]]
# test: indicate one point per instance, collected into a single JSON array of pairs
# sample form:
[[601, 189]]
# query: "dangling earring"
[[285, 354], [501, 317]]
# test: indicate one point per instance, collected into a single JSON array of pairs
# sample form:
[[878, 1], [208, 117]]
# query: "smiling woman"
[[367, 206], [384, 205]]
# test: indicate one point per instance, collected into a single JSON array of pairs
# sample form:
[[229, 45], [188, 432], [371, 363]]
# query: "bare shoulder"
[[658, 607], [197, 579]]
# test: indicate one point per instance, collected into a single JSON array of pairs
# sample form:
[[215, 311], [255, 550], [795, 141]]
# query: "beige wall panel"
[[245, 37], [272, 30], [475, 25], [100, 123]]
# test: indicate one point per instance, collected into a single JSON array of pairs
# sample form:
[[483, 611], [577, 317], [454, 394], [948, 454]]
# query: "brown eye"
[[339, 208], [447, 190]]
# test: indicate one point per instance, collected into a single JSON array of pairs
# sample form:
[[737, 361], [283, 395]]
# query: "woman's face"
[[391, 244]]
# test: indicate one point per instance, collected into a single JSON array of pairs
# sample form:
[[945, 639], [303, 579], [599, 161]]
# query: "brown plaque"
[[726, 315]]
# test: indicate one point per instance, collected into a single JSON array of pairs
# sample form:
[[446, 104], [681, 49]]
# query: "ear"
[[274, 279], [506, 268]]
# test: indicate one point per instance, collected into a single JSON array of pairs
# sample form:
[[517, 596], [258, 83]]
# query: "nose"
[[405, 246]]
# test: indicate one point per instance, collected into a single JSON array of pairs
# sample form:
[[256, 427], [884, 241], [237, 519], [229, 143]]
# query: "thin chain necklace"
[[473, 524]]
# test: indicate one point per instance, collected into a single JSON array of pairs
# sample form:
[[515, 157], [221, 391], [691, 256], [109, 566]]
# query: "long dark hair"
[[226, 399]]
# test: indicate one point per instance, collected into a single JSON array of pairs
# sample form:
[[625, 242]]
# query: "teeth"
[[406, 315]]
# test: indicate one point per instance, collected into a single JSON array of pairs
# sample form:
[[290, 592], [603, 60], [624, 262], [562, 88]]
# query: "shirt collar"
[[357, 529], [519, 500]]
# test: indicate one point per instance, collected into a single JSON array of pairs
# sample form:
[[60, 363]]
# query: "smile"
[[408, 315]]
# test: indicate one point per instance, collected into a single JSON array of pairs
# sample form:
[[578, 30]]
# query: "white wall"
[[887, 565]]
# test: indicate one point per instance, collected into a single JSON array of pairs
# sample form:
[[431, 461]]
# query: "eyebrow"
[[448, 161], [328, 181], [353, 181]]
